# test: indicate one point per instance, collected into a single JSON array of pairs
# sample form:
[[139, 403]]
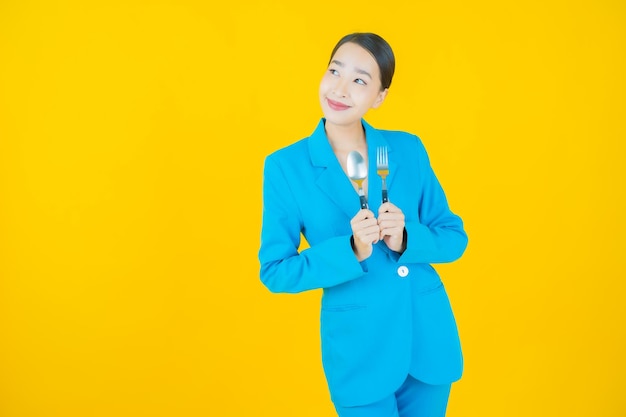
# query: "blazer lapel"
[[332, 181]]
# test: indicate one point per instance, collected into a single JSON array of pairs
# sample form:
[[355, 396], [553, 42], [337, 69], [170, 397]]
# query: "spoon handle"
[[363, 201]]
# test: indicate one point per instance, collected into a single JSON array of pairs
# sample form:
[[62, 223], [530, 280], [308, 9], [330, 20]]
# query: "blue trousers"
[[413, 399]]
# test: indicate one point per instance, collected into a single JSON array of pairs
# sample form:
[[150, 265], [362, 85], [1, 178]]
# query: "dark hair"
[[378, 48]]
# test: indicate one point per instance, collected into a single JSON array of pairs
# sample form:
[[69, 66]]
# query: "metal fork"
[[382, 168]]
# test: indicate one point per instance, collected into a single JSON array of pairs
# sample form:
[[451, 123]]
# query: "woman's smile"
[[337, 106]]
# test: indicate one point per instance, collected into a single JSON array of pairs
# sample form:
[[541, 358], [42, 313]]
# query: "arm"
[[438, 235], [283, 268]]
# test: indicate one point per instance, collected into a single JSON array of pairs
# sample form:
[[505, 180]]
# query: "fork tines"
[[382, 168]]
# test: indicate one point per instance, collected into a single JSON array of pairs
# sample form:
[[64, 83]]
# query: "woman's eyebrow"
[[358, 70], [361, 71]]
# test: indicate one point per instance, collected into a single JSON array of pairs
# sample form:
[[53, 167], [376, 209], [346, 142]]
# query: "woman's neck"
[[345, 138]]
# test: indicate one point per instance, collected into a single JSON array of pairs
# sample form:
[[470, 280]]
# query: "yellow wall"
[[132, 137]]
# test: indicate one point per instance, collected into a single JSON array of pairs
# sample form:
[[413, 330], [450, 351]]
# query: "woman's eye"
[[334, 72], [360, 81]]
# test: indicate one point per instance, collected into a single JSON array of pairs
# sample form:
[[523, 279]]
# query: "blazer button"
[[403, 271]]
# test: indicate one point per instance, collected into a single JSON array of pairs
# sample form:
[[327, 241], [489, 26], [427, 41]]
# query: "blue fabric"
[[377, 324], [413, 399]]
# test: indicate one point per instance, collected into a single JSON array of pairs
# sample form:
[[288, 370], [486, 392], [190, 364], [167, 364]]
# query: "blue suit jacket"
[[389, 315]]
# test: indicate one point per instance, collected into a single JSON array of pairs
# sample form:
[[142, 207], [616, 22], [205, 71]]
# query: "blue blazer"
[[385, 317]]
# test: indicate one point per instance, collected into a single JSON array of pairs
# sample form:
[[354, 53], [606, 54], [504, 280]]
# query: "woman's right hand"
[[365, 233]]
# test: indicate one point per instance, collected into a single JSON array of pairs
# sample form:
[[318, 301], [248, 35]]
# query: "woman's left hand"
[[391, 224]]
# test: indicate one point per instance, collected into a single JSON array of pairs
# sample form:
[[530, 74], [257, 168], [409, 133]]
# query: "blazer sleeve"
[[283, 267], [438, 235]]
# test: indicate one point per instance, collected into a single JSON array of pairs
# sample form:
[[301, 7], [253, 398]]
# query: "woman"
[[390, 345]]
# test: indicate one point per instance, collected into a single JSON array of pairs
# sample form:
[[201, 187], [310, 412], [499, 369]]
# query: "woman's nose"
[[340, 88]]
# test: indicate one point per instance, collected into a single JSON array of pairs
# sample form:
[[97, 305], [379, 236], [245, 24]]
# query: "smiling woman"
[[132, 139], [390, 345]]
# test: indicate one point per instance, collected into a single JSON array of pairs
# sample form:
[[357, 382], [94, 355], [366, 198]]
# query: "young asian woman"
[[390, 344]]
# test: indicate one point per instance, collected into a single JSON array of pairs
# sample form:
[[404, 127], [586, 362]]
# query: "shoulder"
[[403, 140], [290, 157], [307, 151], [288, 152], [300, 147]]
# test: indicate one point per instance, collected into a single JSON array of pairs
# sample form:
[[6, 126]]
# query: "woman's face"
[[351, 85]]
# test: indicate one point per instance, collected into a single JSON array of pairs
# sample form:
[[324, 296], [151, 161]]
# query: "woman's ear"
[[381, 97]]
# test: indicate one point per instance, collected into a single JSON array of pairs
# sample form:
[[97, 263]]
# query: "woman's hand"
[[365, 233], [391, 224]]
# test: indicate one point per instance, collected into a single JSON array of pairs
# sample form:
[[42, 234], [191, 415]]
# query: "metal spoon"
[[357, 171]]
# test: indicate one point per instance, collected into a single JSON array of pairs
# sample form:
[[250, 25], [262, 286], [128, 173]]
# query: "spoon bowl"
[[357, 171]]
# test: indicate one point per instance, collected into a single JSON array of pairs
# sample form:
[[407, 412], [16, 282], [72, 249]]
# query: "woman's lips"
[[335, 105]]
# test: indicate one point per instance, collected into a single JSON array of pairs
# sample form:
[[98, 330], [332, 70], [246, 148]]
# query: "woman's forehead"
[[354, 55]]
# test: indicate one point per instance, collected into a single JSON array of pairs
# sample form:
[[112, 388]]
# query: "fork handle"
[[385, 198]]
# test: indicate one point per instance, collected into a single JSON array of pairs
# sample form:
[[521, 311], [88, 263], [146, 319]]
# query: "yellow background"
[[132, 137]]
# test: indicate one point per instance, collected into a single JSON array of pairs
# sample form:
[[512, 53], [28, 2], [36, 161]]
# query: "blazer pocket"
[[428, 290]]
